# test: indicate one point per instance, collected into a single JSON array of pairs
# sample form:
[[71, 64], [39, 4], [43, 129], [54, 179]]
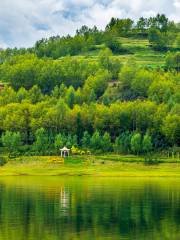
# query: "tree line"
[[137, 113], [162, 34]]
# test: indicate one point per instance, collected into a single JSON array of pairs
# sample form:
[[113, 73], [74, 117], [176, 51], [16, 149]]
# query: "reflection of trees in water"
[[135, 213]]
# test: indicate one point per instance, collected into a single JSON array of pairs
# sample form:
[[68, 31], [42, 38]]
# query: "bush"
[[150, 160], [3, 161], [14, 154]]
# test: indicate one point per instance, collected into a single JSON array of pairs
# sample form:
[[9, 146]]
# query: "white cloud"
[[22, 22], [177, 4]]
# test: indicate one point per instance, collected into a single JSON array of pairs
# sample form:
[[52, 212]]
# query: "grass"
[[138, 49], [110, 166], [142, 53]]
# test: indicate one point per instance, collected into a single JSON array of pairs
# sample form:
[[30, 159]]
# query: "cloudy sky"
[[22, 22]]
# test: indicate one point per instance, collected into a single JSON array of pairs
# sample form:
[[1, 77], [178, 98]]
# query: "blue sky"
[[22, 22]]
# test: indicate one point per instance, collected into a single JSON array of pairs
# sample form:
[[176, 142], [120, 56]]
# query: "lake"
[[71, 208]]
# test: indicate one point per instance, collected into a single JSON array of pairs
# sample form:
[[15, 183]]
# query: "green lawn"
[[110, 165]]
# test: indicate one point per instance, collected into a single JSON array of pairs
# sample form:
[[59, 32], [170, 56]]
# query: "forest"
[[112, 90]]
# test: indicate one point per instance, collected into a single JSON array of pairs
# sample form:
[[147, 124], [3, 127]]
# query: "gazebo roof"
[[65, 149]]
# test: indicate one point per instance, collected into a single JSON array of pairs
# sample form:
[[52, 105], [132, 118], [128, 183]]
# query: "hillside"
[[139, 50], [116, 90]]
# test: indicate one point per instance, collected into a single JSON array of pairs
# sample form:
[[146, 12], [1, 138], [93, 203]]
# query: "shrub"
[[3, 161], [150, 160]]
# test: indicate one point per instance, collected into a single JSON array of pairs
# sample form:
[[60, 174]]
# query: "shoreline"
[[89, 166], [107, 169]]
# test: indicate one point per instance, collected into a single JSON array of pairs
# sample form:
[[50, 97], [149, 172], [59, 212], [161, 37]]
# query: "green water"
[[57, 208]]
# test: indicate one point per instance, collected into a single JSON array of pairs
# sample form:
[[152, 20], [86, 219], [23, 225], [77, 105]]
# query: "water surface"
[[56, 208]]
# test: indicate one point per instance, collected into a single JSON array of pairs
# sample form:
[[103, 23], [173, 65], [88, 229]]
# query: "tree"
[[142, 24], [22, 94], [140, 83], [158, 39], [98, 83], [96, 141], [173, 61], [161, 90], [11, 140], [177, 41], [160, 22], [91, 97], [86, 140], [107, 62], [106, 142], [70, 96], [41, 143], [171, 128], [120, 27], [35, 94], [147, 143], [104, 58], [70, 141], [56, 92], [123, 143], [61, 114], [127, 74], [8, 95], [79, 131], [113, 44], [59, 141], [136, 143], [74, 140], [62, 90], [126, 77]]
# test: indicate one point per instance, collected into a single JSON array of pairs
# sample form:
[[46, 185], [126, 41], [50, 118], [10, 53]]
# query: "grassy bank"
[[111, 166]]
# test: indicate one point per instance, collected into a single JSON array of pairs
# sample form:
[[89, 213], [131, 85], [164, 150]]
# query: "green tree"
[[56, 92], [86, 140], [104, 58], [173, 61], [120, 27], [161, 90], [158, 39], [35, 94], [171, 128], [8, 95], [123, 143], [96, 141], [147, 143], [127, 74], [22, 94], [11, 140], [142, 24], [141, 82], [106, 142], [136, 143], [113, 44], [98, 83], [177, 41], [160, 22], [59, 141], [70, 96], [41, 143]]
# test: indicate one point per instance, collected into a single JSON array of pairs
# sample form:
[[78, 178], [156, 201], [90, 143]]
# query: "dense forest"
[[94, 90]]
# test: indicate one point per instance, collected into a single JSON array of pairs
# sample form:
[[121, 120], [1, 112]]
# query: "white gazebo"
[[65, 151]]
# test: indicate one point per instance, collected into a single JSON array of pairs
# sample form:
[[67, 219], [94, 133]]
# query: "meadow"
[[99, 166]]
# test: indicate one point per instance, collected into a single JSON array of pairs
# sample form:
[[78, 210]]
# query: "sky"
[[23, 22]]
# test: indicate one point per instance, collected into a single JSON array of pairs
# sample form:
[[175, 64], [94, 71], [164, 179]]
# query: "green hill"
[[139, 50], [116, 90]]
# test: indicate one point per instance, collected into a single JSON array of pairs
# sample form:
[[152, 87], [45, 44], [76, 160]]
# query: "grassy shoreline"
[[90, 166]]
